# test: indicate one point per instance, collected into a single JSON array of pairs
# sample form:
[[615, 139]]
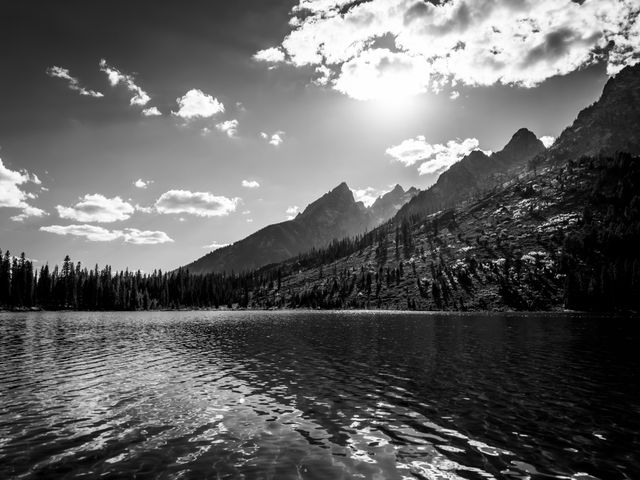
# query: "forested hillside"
[[562, 237]]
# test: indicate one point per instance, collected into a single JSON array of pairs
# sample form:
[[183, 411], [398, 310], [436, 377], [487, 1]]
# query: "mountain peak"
[[523, 146], [607, 126], [343, 187], [522, 136]]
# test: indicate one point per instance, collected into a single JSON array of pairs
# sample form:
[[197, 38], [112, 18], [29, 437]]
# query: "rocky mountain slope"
[[608, 126], [476, 172], [335, 215], [494, 235], [563, 237]]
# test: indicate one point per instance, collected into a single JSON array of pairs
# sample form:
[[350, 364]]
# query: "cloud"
[[473, 42], [381, 74], [230, 127], [250, 184], [97, 208], [216, 246], [202, 204], [547, 140], [197, 104], [274, 139], [454, 94], [292, 212], [72, 82], [151, 112], [145, 237], [116, 77], [140, 183], [271, 55], [99, 234], [249, 220], [13, 196], [368, 195], [434, 157]]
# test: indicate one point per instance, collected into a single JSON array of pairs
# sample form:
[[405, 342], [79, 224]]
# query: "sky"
[[146, 134]]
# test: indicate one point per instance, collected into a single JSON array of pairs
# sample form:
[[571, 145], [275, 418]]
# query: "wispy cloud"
[[94, 233], [197, 104], [116, 77], [250, 184], [97, 208], [230, 127], [201, 204], [215, 246], [292, 212], [274, 139], [12, 194], [434, 158], [72, 82]]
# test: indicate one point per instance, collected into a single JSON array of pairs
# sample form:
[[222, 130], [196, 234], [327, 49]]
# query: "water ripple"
[[310, 395]]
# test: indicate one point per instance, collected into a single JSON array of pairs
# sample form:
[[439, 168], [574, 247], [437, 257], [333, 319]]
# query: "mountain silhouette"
[[474, 172], [608, 126], [335, 215]]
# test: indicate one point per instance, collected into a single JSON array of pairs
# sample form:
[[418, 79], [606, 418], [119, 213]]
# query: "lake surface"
[[290, 395]]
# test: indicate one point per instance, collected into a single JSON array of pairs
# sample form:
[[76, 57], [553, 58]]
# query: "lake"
[[318, 395]]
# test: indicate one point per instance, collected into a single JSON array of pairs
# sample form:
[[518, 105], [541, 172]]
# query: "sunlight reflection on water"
[[317, 395]]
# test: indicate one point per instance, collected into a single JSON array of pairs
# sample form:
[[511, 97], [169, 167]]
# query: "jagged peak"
[[522, 135], [342, 187], [397, 189]]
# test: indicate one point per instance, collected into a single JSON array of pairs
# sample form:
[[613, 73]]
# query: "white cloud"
[[230, 127], [249, 220], [145, 237], [368, 195], [90, 232], [13, 196], [99, 234], [140, 183], [115, 76], [547, 140], [434, 157], [473, 42], [272, 55], [382, 74], [454, 94], [97, 208], [202, 204], [250, 184], [246, 212], [292, 212], [197, 104], [72, 82], [216, 246], [151, 112], [274, 139]]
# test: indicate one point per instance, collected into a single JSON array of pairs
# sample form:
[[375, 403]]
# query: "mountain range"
[[531, 229], [335, 215], [523, 228]]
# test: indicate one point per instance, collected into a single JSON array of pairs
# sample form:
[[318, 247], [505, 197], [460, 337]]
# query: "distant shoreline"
[[320, 310]]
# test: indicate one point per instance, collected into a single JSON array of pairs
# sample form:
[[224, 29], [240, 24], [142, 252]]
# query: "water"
[[181, 395]]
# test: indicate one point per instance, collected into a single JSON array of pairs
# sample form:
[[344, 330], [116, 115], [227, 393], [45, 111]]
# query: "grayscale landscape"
[[320, 239]]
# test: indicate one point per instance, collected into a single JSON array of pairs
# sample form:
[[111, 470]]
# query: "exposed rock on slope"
[[608, 126], [475, 172]]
